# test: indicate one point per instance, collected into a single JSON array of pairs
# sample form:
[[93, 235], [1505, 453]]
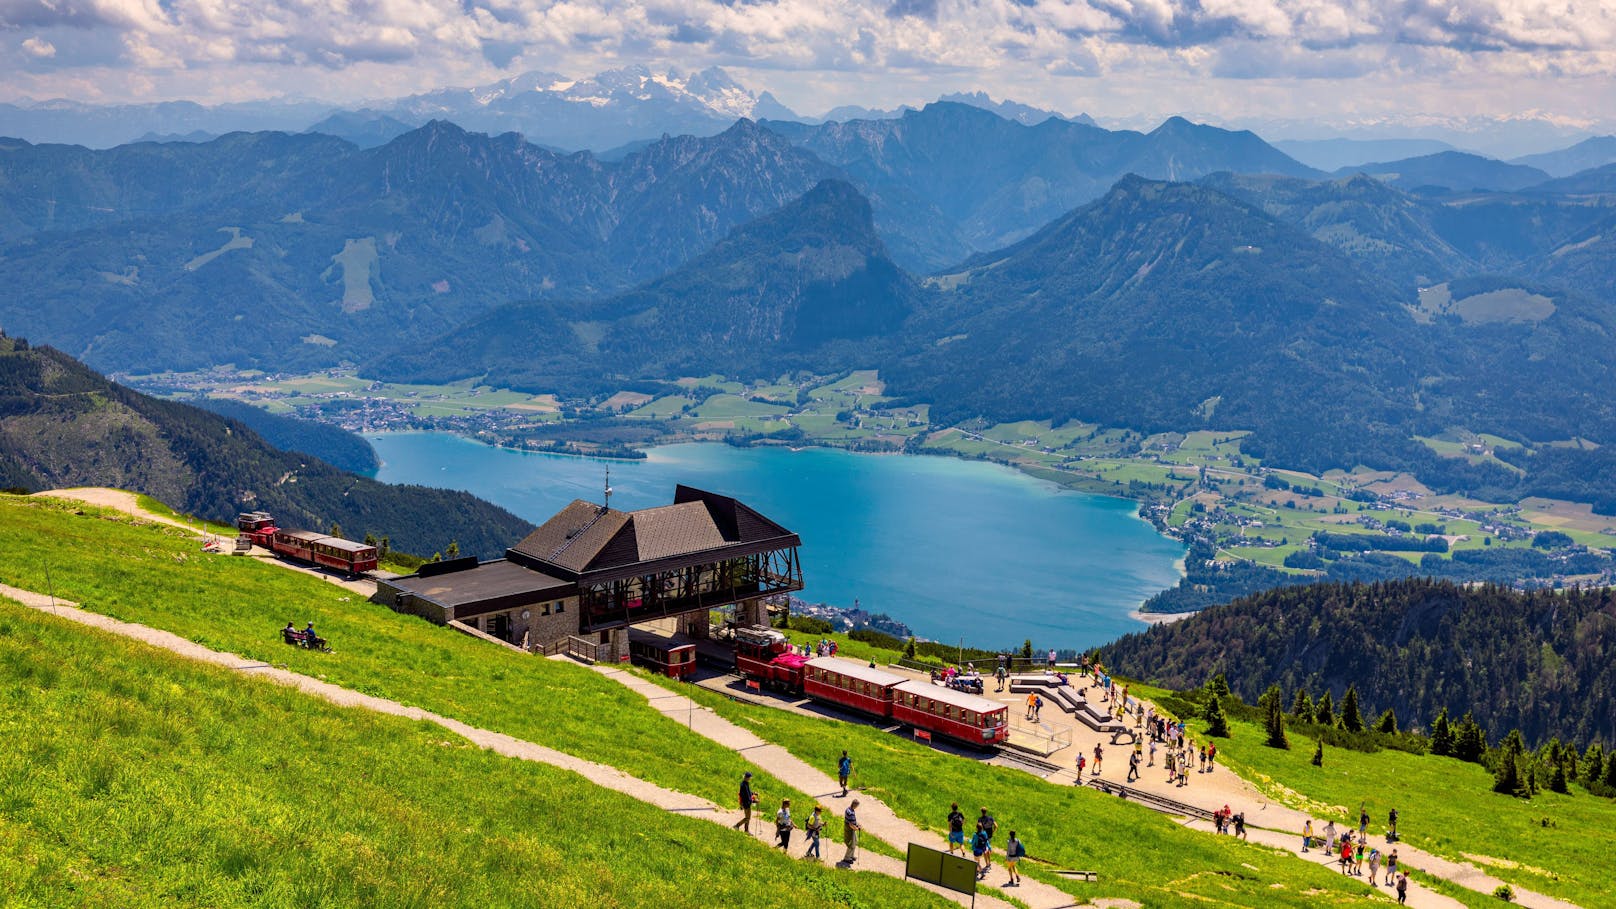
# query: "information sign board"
[[953, 872]]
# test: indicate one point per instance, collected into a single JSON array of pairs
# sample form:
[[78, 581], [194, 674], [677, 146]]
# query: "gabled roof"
[[587, 539]]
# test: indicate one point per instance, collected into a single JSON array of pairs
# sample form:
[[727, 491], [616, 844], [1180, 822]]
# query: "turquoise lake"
[[955, 549]]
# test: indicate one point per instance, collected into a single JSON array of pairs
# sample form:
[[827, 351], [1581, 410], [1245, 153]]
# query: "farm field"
[[149, 780]]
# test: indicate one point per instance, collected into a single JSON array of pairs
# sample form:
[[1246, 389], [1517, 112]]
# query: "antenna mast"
[[608, 504]]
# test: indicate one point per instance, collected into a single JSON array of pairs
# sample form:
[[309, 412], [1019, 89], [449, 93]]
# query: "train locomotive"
[[320, 549], [765, 656]]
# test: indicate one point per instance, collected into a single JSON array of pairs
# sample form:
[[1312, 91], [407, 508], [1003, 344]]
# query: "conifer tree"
[[1507, 778], [1351, 719], [909, 648], [1302, 707], [1324, 709], [1441, 735], [1610, 770], [1274, 717], [1218, 686], [1318, 754], [1388, 722], [1471, 742], [1593, 764], [1216, 723], [1557, 778]]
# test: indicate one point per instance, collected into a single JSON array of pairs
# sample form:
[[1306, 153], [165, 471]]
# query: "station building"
[[582, 578]]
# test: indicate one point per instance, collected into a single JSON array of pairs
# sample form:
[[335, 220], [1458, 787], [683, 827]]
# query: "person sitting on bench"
[[310, 639], [291, 635]]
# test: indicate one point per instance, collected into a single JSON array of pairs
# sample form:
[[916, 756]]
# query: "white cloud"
[[1031, 49], [39, 48]]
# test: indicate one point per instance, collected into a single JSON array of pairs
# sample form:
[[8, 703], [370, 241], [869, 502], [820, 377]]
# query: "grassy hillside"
[[148, 780], [155, 576], [1139, 854], [1551, 843], [61, 424]]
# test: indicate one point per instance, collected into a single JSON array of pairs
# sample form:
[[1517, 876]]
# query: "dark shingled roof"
[[585, 539], [490, 587]]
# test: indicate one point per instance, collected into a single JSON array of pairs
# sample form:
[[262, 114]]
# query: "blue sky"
[[1358, 60]]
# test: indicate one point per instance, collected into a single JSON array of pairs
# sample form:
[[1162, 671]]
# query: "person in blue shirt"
[[844, 769]]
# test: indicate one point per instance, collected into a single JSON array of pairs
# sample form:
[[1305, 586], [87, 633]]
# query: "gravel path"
[[599, 774]]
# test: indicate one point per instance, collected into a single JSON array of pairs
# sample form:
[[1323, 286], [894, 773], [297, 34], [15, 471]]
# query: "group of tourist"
[[1352, 851], [981, 844], [824, 648]]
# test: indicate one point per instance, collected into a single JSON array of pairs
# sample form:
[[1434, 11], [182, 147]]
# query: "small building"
[[586, 575]]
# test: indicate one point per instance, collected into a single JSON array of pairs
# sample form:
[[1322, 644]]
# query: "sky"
[[1361, 61]]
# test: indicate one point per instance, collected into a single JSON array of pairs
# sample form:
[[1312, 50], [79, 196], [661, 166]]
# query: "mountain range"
[[1074, 274], [63, 425]]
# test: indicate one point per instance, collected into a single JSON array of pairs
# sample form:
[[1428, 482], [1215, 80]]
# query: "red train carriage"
[[963, 717], [326, 551], [850, 684], [257, 526], [672, 655], [765, 656]]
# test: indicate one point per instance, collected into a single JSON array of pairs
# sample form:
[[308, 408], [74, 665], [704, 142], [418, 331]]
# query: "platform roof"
[[489, 587], [592, 543]]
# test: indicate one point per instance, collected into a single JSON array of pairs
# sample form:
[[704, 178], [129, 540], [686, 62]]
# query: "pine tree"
[[1274, 717], [1318, 754], [1351, 719], [1026, 649], [1302, 707], [1388, 722], [336, 529], [1441, 735], [452, 550], [1593, 764], [909, 648], [1216, 723], [1609, 777], [1218, 686], [1471, 743], [1557, 778], [1324, 709], [1507, 778]]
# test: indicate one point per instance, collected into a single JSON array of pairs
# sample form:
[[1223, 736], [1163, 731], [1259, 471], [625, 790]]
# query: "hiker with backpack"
[[1013, 851]]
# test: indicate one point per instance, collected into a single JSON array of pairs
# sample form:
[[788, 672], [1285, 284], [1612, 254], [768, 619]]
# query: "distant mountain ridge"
[[63, 425], [1451, 170]]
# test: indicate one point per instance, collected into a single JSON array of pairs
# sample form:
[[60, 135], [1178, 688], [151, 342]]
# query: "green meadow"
[[136, 778], [157, 576], [1554, 844]]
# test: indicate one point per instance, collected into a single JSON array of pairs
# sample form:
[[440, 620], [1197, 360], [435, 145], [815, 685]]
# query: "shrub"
[[1505, 893]]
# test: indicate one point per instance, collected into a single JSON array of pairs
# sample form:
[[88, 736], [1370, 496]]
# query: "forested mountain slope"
[[807, 286], [63, 425], [1540, 662]]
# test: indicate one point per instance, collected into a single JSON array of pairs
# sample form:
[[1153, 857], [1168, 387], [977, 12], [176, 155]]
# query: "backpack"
[[1020, 849], [989, 825]]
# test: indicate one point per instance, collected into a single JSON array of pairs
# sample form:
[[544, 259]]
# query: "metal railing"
[[587, 650], [1038, 739]]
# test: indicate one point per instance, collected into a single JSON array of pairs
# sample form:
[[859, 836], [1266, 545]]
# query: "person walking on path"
[[1374, 867], [1152, 761], [1307, 833], [1211, 756], [979, 850], [1402, 888], [1346, 853], [1363, 822], [1391, 867], [814, 827], [1133, 767], [1391, 826], [1032, 698], [747, 799], [998, 676], [1240, 825], [1099, 753], [1357, 858], [783, 825], [844, 769], [850, 833], [1081, 763], [988, 824], [1013, 851], [956, 828]]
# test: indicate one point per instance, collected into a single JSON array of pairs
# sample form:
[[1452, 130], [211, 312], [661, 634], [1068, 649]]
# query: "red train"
[[763, 654], [672, 655], [306, 545]]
